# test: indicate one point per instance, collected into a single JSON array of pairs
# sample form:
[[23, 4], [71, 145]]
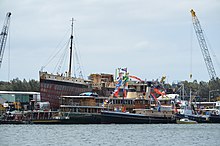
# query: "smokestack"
[[148, 89]]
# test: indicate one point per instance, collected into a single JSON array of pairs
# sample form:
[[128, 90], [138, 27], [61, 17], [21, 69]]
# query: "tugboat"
[[186, 110], [215, 115], [144, 111]]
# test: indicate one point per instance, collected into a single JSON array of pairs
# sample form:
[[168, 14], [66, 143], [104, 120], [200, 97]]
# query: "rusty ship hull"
[[52, 87]]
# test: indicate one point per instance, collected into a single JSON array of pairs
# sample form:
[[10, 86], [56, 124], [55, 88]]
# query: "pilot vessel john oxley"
[[53, 86]]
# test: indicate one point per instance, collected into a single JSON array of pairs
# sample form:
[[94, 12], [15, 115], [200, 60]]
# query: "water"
[[110, 135]]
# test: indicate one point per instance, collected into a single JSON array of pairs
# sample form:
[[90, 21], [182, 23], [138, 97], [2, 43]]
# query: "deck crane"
[[3, 36], [203, 45]]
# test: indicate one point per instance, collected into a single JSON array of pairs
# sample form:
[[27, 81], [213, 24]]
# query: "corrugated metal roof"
[[18, 92]]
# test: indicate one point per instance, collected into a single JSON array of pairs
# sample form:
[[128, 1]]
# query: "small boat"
[[186, 121]]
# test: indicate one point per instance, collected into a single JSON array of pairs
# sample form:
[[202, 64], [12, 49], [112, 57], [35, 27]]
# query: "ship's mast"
[[71, 49]]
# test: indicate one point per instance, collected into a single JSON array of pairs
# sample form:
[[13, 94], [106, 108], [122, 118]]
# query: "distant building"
[[16, 100], [103, 84], [17, 96]]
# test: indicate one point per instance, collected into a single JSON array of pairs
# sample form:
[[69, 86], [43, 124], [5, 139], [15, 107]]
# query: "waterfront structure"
[[103, 84], [17, 100], [19, 96]]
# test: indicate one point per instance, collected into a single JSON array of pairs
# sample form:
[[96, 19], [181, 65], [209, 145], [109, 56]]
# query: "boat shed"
[[18, 96]]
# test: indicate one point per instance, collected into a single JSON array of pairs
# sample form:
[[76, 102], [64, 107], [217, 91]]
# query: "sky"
[[152, 38]]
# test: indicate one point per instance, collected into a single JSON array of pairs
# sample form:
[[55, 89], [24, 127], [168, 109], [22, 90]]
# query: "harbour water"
[[110, 135]]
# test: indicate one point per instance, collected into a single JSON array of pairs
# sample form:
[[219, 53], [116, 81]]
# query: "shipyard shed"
[[17, 100], [17, 96]]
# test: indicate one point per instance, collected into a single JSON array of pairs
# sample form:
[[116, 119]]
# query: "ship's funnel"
[[148, 89]]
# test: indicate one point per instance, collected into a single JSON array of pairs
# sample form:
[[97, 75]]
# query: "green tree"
[[18, 85]]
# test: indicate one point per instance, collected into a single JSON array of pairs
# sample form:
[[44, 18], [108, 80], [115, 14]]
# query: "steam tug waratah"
[[53, 86]]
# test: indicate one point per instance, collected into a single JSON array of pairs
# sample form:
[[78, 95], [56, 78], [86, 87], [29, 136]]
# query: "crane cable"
[[212, 51], [191, 51], [9, 54]]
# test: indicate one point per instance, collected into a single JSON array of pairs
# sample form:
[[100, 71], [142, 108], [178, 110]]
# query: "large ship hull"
[[52, 89]]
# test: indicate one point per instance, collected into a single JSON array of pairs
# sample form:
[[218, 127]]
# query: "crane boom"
[[203, 45], [3, 36]]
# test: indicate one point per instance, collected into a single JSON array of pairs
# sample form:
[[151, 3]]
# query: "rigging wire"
[[78, 58], [78, 67], [64, 60], [61, 59], [51, 58]]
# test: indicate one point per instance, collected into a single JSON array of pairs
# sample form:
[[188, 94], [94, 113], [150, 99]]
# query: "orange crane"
[[3, 36]]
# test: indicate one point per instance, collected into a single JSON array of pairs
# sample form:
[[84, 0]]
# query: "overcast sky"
[[151, 38]]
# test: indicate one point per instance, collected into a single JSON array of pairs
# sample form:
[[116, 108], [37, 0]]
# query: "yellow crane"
[[203, 45]]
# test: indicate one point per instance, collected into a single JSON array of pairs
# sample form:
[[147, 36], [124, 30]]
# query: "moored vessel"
[[185, 121], [150, 117], [52, 86], [145, 110], [80, 109]]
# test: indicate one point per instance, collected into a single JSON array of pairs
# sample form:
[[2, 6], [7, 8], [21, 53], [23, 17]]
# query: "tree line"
[[202, 90], [19, 85]]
